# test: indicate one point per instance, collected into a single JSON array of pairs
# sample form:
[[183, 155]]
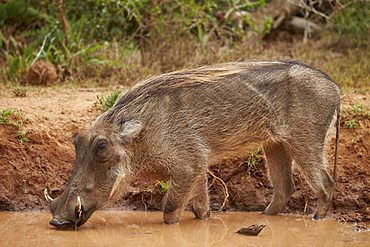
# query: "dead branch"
[[336, 8], [226, 191]]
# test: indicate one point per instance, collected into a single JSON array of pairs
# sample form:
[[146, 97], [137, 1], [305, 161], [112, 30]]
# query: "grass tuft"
[[17, 119], [105, 103], [352, 115]]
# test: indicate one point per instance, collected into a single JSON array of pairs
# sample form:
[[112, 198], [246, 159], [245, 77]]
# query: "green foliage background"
[[116, 42], [353, 22]]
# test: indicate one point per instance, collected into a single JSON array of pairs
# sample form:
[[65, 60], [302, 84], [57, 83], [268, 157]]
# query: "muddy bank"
[[50, 117]]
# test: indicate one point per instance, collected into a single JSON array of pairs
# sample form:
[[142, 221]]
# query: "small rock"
[[41, 73], [252, 230]]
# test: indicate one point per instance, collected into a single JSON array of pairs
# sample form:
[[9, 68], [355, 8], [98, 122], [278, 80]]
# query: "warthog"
[[189, 119]]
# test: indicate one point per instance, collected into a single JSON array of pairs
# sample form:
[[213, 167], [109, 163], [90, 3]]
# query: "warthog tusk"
[[79, 205], [78, 211], [47, 197]]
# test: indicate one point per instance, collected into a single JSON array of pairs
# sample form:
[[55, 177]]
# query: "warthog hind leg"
[[311, 161], [279, 164]]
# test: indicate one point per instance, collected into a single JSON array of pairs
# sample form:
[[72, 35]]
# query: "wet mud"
[[117, 228]]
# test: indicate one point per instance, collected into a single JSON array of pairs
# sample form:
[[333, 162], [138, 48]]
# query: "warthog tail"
[[336, 145]]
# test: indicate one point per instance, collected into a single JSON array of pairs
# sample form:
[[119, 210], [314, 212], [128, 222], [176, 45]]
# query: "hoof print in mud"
[[252, 230]]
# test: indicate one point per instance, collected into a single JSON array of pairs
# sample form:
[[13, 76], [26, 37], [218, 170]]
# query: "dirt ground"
[[52, 115]]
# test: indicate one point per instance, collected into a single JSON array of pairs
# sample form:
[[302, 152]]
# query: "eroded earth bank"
[[36, 152]]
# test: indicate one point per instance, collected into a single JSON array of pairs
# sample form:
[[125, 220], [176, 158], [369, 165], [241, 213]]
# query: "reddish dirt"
[[46, 161]]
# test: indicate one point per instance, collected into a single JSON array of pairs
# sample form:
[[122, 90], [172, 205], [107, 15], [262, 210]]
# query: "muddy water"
[[115, 228]]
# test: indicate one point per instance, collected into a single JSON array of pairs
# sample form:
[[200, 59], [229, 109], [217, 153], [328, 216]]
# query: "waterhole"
[[116, 228]]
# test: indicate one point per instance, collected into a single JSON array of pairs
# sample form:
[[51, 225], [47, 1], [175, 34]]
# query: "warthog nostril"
[[66, 224]]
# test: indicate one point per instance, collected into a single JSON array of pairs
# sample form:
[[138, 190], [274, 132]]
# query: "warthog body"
[[189, 119]]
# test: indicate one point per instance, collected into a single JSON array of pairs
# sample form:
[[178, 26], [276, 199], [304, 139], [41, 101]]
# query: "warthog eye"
[[102, 145]]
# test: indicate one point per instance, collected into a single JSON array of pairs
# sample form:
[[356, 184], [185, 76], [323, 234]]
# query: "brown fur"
[[189, 119]]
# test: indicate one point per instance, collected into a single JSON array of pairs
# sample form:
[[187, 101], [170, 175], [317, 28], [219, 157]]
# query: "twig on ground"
[[226, 191]]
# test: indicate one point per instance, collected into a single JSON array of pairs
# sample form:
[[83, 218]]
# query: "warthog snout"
[[61, 224], [58, 222], [73, 217]]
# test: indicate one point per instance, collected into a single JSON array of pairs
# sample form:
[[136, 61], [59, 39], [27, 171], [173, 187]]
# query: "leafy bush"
[[18, 12], [109, 41], [77, 42], [353, 21]]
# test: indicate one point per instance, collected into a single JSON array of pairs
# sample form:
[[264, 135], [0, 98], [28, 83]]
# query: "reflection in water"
[[115, 228]]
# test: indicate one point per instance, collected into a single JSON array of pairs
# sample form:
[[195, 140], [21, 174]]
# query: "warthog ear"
[[132, 129]]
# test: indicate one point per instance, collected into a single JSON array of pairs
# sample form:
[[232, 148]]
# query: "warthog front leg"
[[176, 198], [200, 201], [185, 186]]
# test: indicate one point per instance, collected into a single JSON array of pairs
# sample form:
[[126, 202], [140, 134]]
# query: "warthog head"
[[102, 167]]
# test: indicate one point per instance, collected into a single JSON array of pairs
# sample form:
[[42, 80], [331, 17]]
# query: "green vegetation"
[[5, 115], [352, 22], [163, 186], [351, 123], [357, 109], [118, 42], [21, 134], [97, 38], [17, 119], [20, 91], [25, 191], [251, 161], [104, 103], [352, 114], [253, 158]]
